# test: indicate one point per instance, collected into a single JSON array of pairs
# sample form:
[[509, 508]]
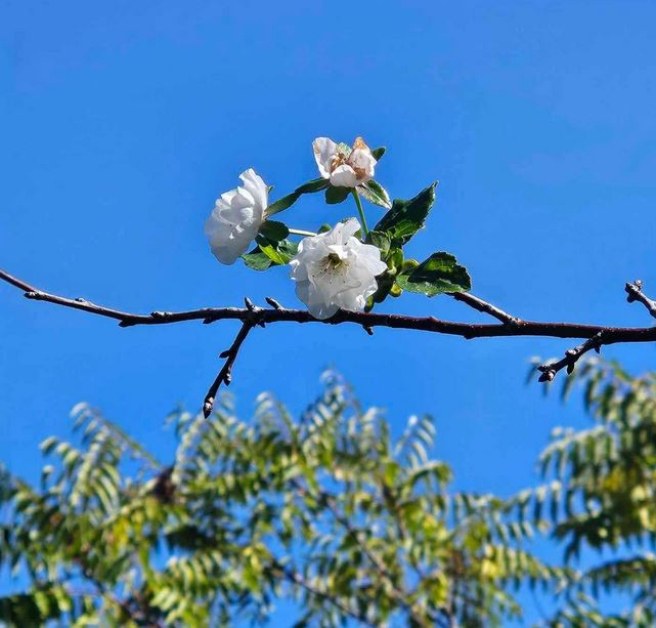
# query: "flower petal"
[[325, 151], [237, 217], [256, 186], [335, 270], [343, 177], [363, 163]]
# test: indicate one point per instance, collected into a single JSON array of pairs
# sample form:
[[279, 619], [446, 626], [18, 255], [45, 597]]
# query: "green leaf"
[[378, 152], [278, 252], [256, 259], [375, 193], [274, 231], [381, 240], [336, 195], [439, 273], [385, 283], [315, 185], [407, 217]]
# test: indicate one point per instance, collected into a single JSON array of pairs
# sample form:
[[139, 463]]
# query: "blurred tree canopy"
[[330, 516]]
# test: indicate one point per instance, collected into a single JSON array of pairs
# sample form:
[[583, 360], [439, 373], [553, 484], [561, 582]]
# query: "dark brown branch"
[[364, 319], [230, 355], [634, 293], [595, 335], [572, 356]]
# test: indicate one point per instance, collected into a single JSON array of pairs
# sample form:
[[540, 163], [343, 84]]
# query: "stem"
[[363, 220], [302, 232]]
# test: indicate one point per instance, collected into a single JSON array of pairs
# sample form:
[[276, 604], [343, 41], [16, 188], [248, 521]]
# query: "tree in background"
[[332, 514], [329, 511]]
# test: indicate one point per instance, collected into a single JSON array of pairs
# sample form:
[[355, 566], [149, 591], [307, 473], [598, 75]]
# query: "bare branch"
[[572, 356], [485, 307], [230, 355], [634, 293]]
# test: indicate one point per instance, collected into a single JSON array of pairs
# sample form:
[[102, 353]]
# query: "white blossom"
[[237, 217], [335, 270], [343, 166]]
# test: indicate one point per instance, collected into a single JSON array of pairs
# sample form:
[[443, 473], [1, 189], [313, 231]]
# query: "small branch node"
[[273, 303], [572, 356], [368, 329], [634, 293], [208, 406], [160, 315]]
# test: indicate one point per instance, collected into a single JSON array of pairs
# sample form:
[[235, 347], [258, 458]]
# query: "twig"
[[296, 578], [634, 293], [485, 307], [329, 501], [572, 356], [225, 374]]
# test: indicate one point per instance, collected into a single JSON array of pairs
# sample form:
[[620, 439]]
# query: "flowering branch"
[[595, 336]]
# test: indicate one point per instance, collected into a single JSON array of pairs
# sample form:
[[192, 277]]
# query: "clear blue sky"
[[121, 122]]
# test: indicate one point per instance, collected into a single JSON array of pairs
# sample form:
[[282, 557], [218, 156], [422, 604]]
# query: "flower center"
[[338, 159], [333, 262]]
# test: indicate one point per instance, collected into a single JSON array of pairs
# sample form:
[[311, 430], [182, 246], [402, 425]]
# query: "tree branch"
[[297, 579], [485, 307], [225, 374], [634, 292], [594, 335], [572, 356]]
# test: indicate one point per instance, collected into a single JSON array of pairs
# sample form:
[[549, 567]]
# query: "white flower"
[[343, 166], [335, 270], [237, 217]]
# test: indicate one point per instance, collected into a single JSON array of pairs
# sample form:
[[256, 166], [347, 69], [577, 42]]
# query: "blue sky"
[[121, 122]]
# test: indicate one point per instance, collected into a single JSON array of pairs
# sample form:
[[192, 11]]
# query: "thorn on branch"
[[634, 293]]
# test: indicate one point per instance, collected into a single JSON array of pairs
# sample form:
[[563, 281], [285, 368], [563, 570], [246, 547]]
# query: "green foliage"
[[375, 193], [601, 495], [333, 512], [329, 510], [405, 218], [315, 185], [439, 273], [335, 195]]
